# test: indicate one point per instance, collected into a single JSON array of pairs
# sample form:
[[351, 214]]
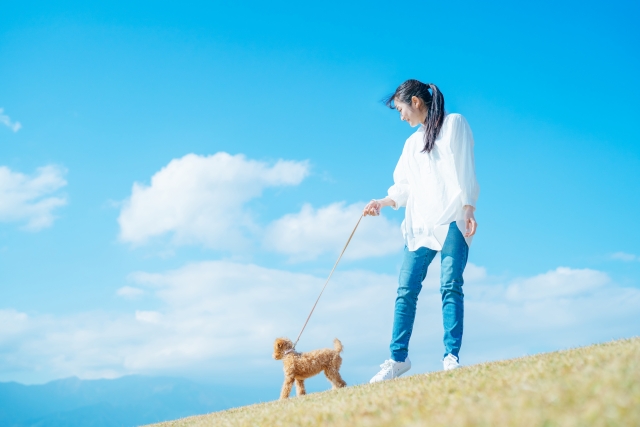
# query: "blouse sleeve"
[[399, 191], [462, 148]]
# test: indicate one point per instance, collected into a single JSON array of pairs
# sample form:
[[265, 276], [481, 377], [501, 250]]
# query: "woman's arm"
[[398, 193], [462, 148]]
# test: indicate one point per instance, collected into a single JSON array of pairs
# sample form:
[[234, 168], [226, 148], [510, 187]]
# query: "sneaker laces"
[[386, 367]]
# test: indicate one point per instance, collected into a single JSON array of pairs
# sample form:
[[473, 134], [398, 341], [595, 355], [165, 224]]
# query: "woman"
[[435, 181]]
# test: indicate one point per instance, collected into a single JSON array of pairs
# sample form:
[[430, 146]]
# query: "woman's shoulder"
[[454, 118], [453, 123]]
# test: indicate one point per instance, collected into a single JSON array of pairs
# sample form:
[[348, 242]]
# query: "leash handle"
[[328, 278]]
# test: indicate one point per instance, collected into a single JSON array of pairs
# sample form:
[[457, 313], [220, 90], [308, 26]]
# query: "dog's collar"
[[291, 350]]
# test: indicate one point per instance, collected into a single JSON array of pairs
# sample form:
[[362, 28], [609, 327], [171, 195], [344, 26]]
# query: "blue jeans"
[[414, 269]]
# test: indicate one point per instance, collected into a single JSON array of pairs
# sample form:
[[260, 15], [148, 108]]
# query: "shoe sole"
[[396, 376]]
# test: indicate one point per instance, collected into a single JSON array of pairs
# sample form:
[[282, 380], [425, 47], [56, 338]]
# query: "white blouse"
[[435, 186]]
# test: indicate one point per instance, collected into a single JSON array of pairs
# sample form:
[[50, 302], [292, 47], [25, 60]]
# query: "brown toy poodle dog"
[[300, 366]]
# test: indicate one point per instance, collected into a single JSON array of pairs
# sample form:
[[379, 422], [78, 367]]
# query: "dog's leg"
[[334, 377], [286, 387], [300, 390], [332, 372]]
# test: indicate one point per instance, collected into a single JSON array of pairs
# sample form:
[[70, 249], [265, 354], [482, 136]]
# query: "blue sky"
[[96, 281]]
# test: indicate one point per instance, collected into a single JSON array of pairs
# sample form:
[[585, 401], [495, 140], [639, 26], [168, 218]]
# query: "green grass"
[[591, 386]]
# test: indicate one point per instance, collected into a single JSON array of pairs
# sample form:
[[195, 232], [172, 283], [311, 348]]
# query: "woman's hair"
[[434, 103]]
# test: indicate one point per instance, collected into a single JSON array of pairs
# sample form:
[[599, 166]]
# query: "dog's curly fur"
[[300, 366]]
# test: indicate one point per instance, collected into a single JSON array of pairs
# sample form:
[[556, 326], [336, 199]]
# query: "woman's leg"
[[454, 259], [412, 273]]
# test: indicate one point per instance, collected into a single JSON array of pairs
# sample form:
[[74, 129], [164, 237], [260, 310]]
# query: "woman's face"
[[414, 113]]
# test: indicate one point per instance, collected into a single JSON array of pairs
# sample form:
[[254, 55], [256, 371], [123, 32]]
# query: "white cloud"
[[562, 282], [499, 324], [30, 198], [5, 120], [129, 292], [624, 256], [211, 318], [200, 199], [13, 323], [312, 232], [148, 316], [218, 319]]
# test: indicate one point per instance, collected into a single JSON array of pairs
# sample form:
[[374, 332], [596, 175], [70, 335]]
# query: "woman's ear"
[[416, 102]]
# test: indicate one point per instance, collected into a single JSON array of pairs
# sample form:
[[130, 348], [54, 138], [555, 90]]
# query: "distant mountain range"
[[123, 402]]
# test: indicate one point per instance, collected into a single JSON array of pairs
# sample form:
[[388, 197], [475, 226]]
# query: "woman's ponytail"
[[434, 119], [433, 101]]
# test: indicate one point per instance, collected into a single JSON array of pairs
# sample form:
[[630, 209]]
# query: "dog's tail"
[[337, 345]]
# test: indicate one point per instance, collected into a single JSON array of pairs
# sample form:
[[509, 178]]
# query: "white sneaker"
[[391, 369], [450, 362]]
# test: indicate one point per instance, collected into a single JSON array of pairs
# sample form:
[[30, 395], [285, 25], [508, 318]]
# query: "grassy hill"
[[591, 386]]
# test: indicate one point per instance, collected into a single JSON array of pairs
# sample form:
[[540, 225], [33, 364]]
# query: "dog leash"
[[325, 283]]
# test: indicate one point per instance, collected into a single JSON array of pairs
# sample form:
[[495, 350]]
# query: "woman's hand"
[[469, 221], [374, 206]]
